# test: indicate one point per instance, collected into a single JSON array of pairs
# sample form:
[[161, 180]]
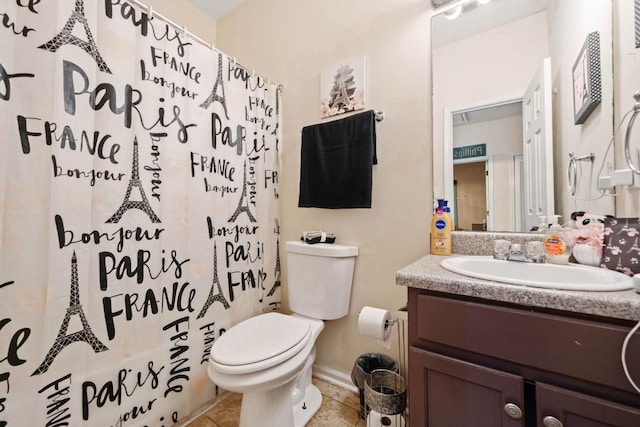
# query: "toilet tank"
[[319, 278]]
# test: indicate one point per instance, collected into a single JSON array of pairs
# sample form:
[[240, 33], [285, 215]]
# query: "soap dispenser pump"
[[543, 226], [556, 243]]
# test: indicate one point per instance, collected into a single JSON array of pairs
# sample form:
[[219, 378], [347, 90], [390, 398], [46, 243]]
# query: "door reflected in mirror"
[[470, 196], [488, 193]]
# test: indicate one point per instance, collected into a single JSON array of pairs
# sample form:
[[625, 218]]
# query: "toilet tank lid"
[[321, 249]]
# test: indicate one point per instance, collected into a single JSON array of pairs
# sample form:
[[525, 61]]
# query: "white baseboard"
[[334, 377]]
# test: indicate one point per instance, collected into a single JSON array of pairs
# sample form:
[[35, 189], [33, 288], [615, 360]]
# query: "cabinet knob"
[[513, 411], [550, 421]]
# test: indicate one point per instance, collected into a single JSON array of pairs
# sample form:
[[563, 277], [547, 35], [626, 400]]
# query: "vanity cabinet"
[[458, 393], [481, 363]]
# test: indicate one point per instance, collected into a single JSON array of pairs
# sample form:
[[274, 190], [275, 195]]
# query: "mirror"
[[484, 56]]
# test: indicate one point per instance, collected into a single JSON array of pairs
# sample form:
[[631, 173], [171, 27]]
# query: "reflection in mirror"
[[488, 55], [487, 168]]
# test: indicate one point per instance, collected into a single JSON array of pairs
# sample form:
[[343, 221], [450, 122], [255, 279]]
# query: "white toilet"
[[269, 357]]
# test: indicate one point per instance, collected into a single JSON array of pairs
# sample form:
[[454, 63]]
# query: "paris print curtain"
[[138, 212]]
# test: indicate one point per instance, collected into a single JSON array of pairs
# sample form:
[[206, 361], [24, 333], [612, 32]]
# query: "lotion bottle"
[[441, 230], [556, 244]]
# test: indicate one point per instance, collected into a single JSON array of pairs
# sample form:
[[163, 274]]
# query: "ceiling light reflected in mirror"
[[463, 8]]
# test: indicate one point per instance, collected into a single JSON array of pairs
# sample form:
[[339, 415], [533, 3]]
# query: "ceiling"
[[216, 9]]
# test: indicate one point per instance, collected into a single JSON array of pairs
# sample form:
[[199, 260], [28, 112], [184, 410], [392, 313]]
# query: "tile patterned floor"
[[340, 408]]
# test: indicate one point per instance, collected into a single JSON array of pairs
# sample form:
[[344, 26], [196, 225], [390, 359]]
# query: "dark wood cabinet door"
[[446, 392], [573, 409]]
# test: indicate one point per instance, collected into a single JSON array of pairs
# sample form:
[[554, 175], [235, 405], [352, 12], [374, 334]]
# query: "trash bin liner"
[[364, 365]]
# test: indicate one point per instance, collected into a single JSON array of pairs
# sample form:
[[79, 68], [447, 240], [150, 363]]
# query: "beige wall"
[[291, 42], [184, 13]]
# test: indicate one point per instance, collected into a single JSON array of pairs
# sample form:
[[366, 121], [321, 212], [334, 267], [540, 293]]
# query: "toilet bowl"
[[268, 358]]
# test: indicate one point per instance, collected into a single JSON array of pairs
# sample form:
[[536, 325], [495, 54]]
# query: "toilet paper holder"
[[390, 323]]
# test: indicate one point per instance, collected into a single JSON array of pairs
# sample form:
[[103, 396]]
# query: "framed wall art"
[[587, 88], [636, 8], [342, 87]]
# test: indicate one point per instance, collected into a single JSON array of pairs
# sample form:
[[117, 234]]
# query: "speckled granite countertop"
[[426, 273]]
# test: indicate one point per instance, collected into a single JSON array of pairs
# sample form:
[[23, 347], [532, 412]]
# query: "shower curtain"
[[138, 212]]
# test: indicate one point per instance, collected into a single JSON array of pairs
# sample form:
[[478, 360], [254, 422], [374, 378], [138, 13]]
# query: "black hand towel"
[[336, 163]]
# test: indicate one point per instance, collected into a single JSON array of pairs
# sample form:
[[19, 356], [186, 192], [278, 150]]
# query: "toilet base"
[[303, 411], [270, 409], [276, 409]]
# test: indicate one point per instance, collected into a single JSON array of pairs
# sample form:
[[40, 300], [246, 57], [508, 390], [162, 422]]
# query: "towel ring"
[[627, 138], [572, 170]]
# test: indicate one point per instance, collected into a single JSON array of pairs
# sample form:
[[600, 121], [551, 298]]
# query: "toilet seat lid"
[[261, 342]]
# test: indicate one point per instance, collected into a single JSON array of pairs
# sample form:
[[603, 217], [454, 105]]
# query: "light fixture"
[[454, 12], [440, 3]]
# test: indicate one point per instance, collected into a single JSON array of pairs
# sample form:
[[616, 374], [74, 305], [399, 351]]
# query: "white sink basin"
[[574, 277]]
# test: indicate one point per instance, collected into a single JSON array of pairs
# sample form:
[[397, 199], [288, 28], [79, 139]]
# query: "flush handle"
[[550, 421], [513, 411]]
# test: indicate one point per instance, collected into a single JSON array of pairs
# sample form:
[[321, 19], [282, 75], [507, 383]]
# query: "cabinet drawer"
[[576, 409], [582, 349]]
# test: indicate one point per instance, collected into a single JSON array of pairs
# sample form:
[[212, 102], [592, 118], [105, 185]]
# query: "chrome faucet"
[[535, 253], [505, 250], [516, 253]]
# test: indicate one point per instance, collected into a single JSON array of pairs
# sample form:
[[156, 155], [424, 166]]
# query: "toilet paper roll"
[[375, 323], [377, 419]]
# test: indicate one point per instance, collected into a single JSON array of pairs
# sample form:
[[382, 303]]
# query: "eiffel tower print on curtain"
[[127, 203], [215, 285], [214, 96], [65, 36], [243, 204], [63, 339], [276, 283]]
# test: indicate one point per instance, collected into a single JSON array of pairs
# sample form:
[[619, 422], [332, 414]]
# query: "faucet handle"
[[535, 251], [501, 249], [516, 248]]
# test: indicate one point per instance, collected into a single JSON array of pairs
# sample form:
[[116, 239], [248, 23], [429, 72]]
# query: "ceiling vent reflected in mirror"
[[488, 113], [459, 118], [463, 8]]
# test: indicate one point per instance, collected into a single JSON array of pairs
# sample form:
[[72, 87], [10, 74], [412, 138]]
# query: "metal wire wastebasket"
[[361, 373], [385, 395]]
